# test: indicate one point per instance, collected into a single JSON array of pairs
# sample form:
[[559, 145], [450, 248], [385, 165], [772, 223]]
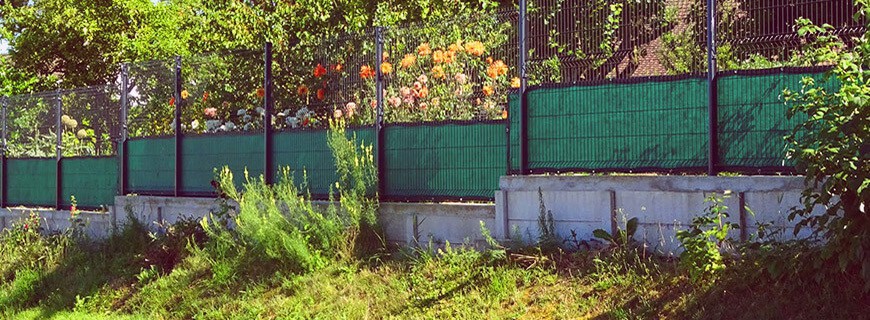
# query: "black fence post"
[[524, 105], [5, 102], [268, 172], [59, 151], [712, 103], [122, 144], [177, 126], [379, 120]]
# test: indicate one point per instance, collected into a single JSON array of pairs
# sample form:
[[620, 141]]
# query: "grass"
[[92, 280]]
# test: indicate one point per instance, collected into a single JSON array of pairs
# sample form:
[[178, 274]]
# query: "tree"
[[832, 147]]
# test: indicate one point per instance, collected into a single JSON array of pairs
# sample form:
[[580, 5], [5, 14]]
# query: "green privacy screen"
[[31, 182], [752, 118], [202, 154], [658, 124], [307, 152], [151, 165], [444, 160], [93, 181]]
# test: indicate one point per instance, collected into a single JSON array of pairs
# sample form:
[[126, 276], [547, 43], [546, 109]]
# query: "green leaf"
[[631, 227], [601, 234]]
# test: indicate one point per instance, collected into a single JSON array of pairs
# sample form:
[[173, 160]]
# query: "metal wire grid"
[[222, 92], [31, 125], [575, 40], [760, 34], [90, 121], [150, 98], [456, 70], [331, 78]]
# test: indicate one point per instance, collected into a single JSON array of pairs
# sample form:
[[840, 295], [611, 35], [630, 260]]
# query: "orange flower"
[[504, 114], [366, 72], [515, 82], [319, 71], [302, 90], [337, 67], [488, 91], [496, 69], [261, 92], [423, 93], [321, 93], [475, 48], [438, 56], [205, 96], [456, 47], [408, 61], [449, 57], [424, 49], [438, 72], [386, 67]]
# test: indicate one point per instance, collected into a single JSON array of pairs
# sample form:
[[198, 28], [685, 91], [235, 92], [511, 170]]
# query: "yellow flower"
[[386, 67], [424, 49], [438, 72], [408, 61], [438, 56], [488, 91], [184, 94], [475, 48], [515, 82]]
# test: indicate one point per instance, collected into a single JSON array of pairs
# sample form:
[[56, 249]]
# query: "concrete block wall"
[[662, 204]]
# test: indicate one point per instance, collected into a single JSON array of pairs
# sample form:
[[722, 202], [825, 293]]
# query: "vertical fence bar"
[[379, 120], [177, 127], [524, 105], [5, 104], [712, 103], [268, 172], [122, 152], [58, 129]]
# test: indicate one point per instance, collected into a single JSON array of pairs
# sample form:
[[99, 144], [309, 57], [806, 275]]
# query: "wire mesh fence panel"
[[223, 92], [328, 79], [151, 98], [31, 126], [439, 161], [151, 165], [648, 125], [764, 34], [90, 121], [455, 70], [753, 121], [202, 155], [93, 181], [576, 40]]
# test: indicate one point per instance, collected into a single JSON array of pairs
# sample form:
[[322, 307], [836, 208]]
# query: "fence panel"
[[451, 160], [31, 182], [753, 118], [151, 165], [202, 154], [655, 124], [92, 180]]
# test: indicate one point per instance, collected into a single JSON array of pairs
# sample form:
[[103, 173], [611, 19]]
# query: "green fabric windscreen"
[[203, 154], [151, 165], [31, 182], [93, 181]]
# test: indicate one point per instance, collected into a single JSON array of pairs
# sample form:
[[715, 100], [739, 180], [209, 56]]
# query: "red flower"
[[205, 96], [321, 93], [305, 121], [366, 72], [319, 71], [172, 101], [261, 92]]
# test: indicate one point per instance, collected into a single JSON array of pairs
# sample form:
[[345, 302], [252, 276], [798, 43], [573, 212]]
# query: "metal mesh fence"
[[150, 98], [222, 92], [31, 125], [576, 40], [459, 69], [90, 121], [331, 78]]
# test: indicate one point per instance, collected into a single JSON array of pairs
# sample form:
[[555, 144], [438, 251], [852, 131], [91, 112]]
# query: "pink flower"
[[395, 101], [350, 105], [405, 91], [418, 86], [210, 112], [337, 113], [461, 78], [423, 79]]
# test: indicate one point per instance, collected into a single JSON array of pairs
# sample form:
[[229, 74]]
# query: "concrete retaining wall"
[[662, 204], [404, 223]]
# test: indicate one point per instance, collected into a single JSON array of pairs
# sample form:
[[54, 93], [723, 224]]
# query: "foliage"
[[705, 239], [547, 239], [831, 149], [623, 237]]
